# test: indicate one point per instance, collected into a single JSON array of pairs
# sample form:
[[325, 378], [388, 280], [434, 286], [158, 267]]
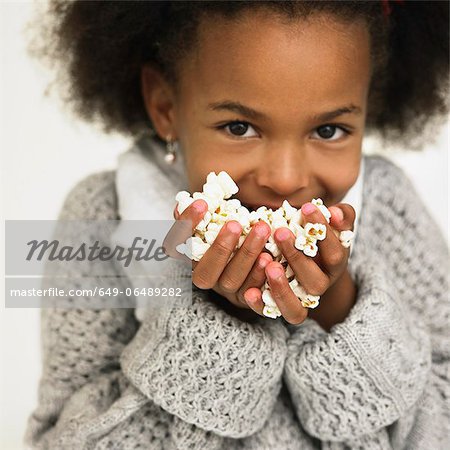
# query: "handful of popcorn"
[[217, 193]]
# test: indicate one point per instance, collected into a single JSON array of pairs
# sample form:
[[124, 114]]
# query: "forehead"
[[259, 59]]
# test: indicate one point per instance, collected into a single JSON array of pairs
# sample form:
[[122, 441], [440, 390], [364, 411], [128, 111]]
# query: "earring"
[[171, 150]]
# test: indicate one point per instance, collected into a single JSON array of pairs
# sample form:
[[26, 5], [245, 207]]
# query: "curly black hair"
[[100, 48]]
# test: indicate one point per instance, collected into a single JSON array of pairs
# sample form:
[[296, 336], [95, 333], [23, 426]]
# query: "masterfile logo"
[[94, 264]]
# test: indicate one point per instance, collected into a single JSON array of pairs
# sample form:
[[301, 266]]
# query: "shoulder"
[[392, 202], [380, 169], [93, 197], [385, 183]]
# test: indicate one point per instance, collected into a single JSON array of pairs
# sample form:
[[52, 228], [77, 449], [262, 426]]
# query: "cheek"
[[338, 182], [196, 175], [197, 159], [199, 163]]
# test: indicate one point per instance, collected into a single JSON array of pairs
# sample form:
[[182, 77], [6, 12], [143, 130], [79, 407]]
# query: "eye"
[[330, 131], [239, 129]]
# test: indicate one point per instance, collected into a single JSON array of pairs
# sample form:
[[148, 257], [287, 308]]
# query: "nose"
[[284, 169]]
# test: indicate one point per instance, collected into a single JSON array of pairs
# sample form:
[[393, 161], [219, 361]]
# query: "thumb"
[[176, 214], [342, 216]]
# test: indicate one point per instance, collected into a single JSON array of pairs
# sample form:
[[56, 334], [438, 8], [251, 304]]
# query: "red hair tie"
[[387, 8]]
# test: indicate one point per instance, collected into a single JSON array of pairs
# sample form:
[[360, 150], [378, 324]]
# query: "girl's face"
[[280, 107]]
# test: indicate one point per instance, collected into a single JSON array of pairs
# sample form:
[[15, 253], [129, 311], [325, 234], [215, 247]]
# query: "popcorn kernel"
[[217, 193]]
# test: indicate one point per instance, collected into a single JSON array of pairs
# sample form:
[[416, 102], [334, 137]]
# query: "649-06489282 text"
[[100, 291]]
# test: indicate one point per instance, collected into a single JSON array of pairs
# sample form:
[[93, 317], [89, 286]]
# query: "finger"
[[342, 216], [306, 270], [332, 253], [253, 298], [257, 277], [194, 213], [184, 227], [213, 262], [287, 302], [239, 267]]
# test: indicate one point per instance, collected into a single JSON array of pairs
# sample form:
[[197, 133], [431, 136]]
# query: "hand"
[[229, 278], [317, 275], [323, 275]]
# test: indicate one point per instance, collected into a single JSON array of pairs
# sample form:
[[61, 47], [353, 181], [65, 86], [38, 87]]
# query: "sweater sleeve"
[[187, 376], [381, 378], [208, 368], [80, 347]]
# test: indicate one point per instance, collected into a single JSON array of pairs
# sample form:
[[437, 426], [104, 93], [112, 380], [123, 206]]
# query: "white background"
[[45, 152]]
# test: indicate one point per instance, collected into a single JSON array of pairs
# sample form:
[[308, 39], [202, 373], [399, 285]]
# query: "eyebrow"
[[251, 113], [350, 109], [238, 108]]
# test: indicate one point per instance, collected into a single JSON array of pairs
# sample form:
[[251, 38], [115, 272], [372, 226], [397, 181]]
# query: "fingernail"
[[249, 297], [262, 230], [200, 206], [339, 214], [275, 272], [234, 227], [308, 208], [263, 262], [283, 234]]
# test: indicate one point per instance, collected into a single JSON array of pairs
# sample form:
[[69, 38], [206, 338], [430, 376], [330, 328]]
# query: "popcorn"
[[289, 211], [228, 185], [212, 232], [217, 192], [204, 222], [222, 182], [194, 248], [267, 298], [316, 231], [271, 311], [213, 202], [289, 272], [213, 190], [272, 247], [184, 201], [311, 249], [306, 244], [346, 237], [322, 208], [308, 300]]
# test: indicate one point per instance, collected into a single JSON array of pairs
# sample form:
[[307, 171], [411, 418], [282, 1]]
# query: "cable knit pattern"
[[371, 379], [387, 357], [191, 376], [79, 345], [208, 367]]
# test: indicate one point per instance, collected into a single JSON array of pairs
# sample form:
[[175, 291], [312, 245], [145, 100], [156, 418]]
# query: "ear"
[[159, 101]]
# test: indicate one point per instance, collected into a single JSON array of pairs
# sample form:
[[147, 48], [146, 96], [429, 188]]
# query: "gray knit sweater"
[[205, 379]]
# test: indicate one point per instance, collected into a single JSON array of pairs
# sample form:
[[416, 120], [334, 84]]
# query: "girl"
[[279, 95]]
